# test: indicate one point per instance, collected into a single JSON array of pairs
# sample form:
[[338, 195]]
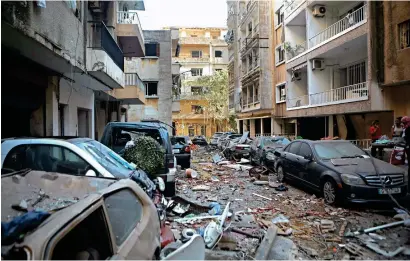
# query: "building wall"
[[396, 60], [186, 50]]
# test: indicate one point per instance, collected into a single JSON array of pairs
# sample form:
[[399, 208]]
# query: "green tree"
[[215, 93]]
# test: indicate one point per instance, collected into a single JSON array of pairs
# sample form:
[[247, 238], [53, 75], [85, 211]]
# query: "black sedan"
[[182, 151], [260, 145], [199, 140], [341, 171]]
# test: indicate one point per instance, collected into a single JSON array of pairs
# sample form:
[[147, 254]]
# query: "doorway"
[[83, 124]]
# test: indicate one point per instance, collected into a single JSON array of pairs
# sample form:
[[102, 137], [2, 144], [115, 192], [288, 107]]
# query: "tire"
[[280, 174], [329, 191]]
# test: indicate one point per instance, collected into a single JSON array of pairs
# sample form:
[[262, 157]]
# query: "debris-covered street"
[[317, 230]]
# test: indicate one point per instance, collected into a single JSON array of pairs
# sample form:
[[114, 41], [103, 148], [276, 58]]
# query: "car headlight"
[[352, 179], [161, 184], [270, 156]]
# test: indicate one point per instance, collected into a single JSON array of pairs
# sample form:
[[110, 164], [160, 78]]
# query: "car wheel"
[[329, 192], [281, 174]]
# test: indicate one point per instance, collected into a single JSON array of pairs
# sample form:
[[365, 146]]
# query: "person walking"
[[397, 129], [406, 135], [375, 134]]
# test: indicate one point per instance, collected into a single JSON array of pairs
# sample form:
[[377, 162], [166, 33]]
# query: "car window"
[[294, 148], [121, 135], [334, 150], [50, 158], [124, 212], [305, 150]]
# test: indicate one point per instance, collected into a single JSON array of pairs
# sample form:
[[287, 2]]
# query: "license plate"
[[175, 150], [389, 190]]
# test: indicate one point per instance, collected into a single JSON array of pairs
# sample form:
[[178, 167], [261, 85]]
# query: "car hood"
[[361, 166]]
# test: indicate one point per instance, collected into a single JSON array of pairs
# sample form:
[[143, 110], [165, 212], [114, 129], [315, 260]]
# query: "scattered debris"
[[327, 226], [201, 187], [190, 173], [261, 196], [281, 188], [354, 249], [343, 228], [280, 219], [260, 182]]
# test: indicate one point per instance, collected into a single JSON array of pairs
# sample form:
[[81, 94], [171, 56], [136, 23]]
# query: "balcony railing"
[[100, 38], [293, 51], [203, 59], [132, 79], [129, 17], [343, 24], [189, 96], [349, 93]]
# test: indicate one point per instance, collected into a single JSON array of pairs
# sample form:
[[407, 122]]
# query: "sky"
[[201, 13]]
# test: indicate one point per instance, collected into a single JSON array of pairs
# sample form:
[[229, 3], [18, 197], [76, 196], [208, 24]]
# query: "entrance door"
[[83, 123]]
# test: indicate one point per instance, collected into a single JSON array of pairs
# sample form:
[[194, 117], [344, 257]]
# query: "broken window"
[[197, 109], [196, 71], [151, 89], [218, 53], [152, 49], [197, 90], [123, 221]]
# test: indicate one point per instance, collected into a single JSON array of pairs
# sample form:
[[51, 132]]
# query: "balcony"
[[105, 60], [201, 40], [190, 96], [134, 91], [351, 93], [355, 19], [293, 51], [219, 60], [129, 33], [187, 59]]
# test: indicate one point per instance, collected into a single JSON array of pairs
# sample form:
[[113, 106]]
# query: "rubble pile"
[[269, 220]]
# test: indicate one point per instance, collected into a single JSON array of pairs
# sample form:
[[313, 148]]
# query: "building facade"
[[201, 52], [65, 58], [250, 72]]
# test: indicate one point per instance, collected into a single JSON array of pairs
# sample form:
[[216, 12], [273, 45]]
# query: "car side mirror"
[[308, 157], [90, 173], [276, 153]]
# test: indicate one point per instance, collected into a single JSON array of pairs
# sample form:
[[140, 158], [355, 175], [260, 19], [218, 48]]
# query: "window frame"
[[297, 143], [278, 92], [219, 52], [402, 31], [279, 51], [199, 70], [146, 84], [157, 49], [199, 54], [300, 148], [279, 17], [197, 109]]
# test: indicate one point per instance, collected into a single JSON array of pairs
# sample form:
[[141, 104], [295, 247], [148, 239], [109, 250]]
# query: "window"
[[196, 71], [197, 90], [279, 16], [151, 89], [191, 131], [356, 73], [404, 34], [218, 70], [61, 112], [250, 28], [45, 158], [152, 49], [196, 54], [280, 54], [197, 109], [294, 148], [75, 6], [203, 130], [305, 150], [218, 53], [193, 35], [281, 93], [123, 221]]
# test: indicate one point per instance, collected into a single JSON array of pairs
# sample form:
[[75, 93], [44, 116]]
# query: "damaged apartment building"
[[335, 66], [64, 62]]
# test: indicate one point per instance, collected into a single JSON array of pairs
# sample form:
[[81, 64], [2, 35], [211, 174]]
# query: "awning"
[[300, 66]]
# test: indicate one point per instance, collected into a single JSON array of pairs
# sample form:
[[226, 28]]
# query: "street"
[[317, 230]]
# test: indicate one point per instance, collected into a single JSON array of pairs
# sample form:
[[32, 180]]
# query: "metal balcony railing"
[[99, 37], [132, 79], [129, 17], [346, 93], [343, 24]]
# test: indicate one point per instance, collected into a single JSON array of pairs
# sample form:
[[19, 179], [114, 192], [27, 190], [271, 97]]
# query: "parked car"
[[214, 139], [238, 148], [222, 142], [200, 140], [260, 145], [117, 134], [182, 151], [341, 171], [90, 218]]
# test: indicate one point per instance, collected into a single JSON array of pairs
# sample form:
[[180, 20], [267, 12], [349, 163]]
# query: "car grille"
[[392, 180]]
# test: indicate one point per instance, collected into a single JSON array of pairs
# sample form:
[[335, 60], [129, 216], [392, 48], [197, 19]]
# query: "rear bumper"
[[367, 194]]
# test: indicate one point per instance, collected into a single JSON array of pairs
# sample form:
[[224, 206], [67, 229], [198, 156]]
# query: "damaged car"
[[238, 148], [182, 151], [66, 217], [263, 144], [341, 171]]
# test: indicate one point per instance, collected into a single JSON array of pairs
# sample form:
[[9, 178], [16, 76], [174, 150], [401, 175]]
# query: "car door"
[[290, 157], [305, 164]]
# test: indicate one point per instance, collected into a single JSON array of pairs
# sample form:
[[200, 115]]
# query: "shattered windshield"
[[273, 141], [337, 150]]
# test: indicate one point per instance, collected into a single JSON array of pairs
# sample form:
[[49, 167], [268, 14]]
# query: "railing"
[[191, 96], [346, 93], [295, 51], [363, 144], [203, 59], [343, 24], [290, 6], [350, 92], [129, 17], [255, 29], [231, 56], [297, 102], [100, 38], [132, 79]]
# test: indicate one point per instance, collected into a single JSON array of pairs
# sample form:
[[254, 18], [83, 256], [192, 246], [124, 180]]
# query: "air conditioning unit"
[[319, 10], [318, 64], [296, 76], [95, 6]]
